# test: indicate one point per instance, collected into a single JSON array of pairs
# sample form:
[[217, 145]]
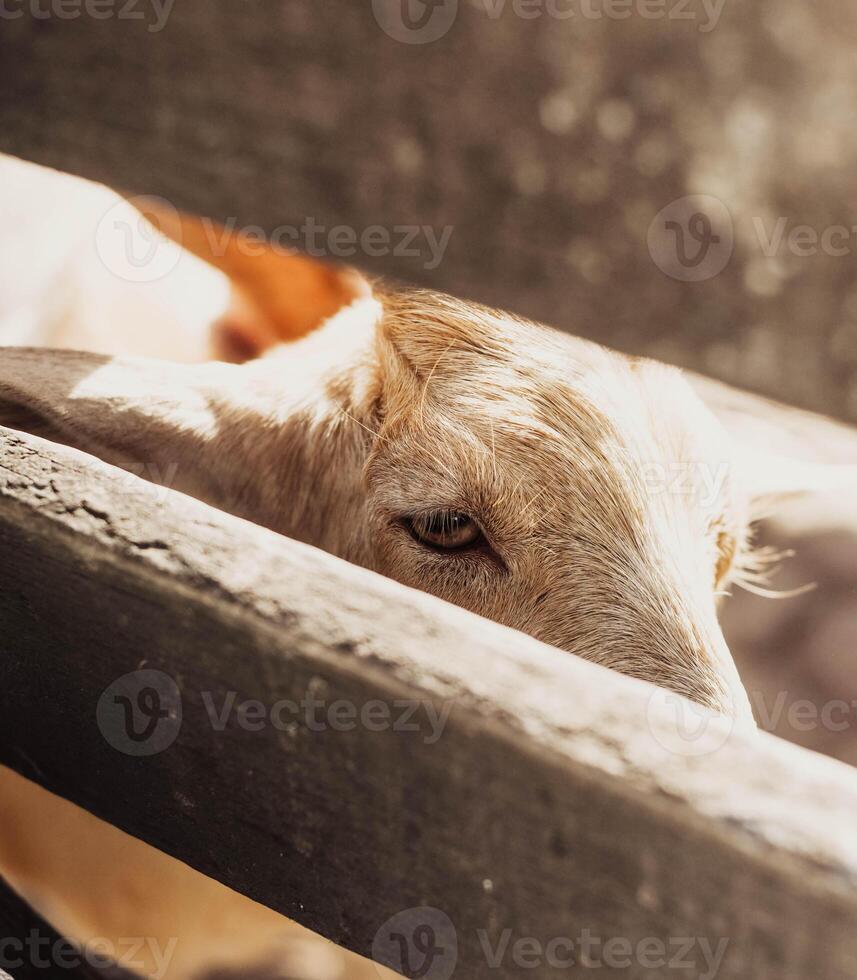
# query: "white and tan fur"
[[403, 403], [416, 402]]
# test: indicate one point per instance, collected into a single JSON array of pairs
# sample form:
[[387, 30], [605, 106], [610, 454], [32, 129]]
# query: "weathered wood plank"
[[536, 793], [546, 135]]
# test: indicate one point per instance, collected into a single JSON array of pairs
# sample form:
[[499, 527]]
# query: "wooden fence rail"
[[350, 752]]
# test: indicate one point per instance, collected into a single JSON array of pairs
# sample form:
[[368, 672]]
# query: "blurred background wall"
[[553, 136]]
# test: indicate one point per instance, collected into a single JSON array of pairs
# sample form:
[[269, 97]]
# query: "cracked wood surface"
[[528, 791]]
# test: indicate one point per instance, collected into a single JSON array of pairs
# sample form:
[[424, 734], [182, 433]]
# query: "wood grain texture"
[[552, 801], [548, 144]]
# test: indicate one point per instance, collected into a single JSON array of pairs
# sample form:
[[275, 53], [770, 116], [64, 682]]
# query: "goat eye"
[[447, 530]]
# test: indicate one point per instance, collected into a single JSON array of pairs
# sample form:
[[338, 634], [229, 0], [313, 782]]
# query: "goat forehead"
[[552, 418], [523, 477], [605, 418], [560, 383]]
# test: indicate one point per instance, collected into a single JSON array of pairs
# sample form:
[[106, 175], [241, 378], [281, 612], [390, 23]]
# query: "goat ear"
[[769, 477], [160, 419], [782, 451]]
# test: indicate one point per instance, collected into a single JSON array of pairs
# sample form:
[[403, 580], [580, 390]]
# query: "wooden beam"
[[347, 751], [545, 135]]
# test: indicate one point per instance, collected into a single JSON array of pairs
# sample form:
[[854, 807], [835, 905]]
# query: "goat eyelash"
[[479, 548], [447, 531]]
